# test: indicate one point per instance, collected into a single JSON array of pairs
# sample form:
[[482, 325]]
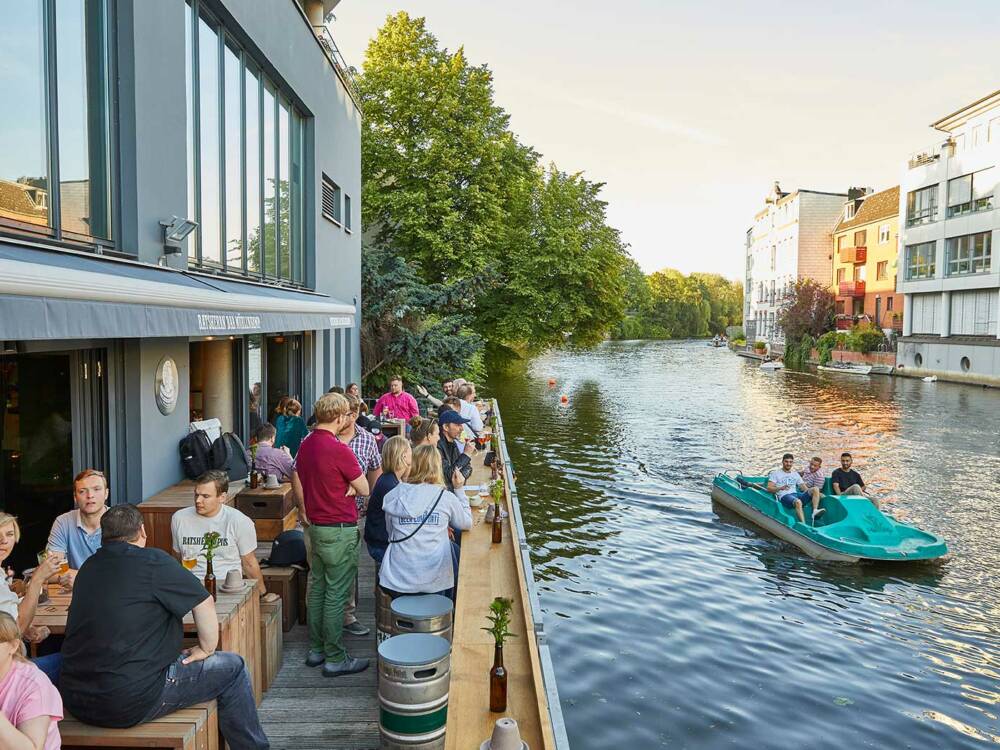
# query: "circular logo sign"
[[165, 386]]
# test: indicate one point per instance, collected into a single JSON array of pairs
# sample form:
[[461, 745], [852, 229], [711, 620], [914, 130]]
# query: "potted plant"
[[499, 617], [497, 492], [210, 542], [759, 346]]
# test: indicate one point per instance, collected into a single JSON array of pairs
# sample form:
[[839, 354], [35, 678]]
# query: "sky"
[[689, 110]]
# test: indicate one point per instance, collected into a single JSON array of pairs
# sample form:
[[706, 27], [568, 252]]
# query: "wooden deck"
[[307, 711]]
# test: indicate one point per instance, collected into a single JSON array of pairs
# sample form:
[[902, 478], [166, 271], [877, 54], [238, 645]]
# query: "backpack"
[[237, 457], [196, 454]]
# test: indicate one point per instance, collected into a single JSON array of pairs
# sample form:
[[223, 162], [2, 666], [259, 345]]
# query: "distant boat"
[[847, 368], [882, 369], [772, 365]]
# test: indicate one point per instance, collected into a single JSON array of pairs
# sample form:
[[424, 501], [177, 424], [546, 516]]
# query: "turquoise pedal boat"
[[851, 530]]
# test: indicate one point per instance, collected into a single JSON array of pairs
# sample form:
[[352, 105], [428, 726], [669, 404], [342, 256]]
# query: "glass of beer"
[[190, 562]]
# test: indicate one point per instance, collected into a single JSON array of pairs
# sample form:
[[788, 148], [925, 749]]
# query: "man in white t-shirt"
[[792, 491], [238, 537], [467, 395]]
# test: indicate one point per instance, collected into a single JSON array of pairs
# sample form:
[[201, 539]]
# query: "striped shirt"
[[813, 478], [365, 449]]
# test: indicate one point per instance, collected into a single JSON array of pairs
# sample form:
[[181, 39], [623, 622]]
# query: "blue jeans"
[[51, 666], [222, 677]]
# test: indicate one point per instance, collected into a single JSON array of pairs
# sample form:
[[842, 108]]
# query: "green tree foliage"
[[865, 338], [452, 192], [808, 310], [667, 304]]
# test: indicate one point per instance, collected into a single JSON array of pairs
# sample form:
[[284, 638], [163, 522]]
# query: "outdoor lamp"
[[174, 233]]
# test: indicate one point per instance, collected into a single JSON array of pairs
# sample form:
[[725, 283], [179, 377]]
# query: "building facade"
[[865, 247], [749, 325], [790, 240], [950, 280], [135, 123]]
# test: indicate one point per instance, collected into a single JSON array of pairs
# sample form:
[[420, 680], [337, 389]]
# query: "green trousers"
[[332, 568]]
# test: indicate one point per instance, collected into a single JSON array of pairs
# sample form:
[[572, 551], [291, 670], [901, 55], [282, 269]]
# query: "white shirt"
[[237, 537], [792, 478], [470, 412], [8, 599], [421, 564]]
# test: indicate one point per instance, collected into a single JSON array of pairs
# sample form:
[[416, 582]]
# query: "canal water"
[[671, 626]]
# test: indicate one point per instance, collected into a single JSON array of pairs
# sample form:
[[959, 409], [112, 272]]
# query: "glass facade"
[[971, 253], [55, 128], [246, 143], [920, 261]]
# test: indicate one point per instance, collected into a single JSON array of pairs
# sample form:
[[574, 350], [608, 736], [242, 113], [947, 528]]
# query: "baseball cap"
[[452, 417]]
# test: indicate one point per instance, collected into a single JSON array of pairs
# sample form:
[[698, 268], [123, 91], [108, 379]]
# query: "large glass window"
[[969, 254], [65, 103], [245, 159], [971, 193], [920, 261], [921, 206]]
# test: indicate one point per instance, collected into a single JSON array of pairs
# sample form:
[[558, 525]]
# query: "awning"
[[57, 295]]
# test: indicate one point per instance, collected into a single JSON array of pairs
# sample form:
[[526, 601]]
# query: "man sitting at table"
[[77, 533], [397, 403], [237, 534], [455, 458], [271, 460], [122, 658]]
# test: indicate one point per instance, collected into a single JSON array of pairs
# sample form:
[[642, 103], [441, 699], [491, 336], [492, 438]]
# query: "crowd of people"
[[796, 490], [121, 661]]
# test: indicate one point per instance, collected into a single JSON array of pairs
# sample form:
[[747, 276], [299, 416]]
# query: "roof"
[[963, 115], [788, 197], [17, 202], [874, 207]]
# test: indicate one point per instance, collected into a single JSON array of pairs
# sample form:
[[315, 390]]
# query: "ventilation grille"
[[331, 199]]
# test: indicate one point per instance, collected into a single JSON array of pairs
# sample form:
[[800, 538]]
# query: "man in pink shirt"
[[397, 403]]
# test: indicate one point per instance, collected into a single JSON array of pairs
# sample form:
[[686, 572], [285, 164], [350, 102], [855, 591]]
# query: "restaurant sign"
[[228, 322], [341, 321]]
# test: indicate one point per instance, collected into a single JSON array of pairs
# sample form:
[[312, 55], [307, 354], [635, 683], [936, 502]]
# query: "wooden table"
[[239, 624], [272, 510], [393, 428], [160, 508]]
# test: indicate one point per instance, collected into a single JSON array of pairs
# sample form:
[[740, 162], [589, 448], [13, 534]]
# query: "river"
[[673, 627]]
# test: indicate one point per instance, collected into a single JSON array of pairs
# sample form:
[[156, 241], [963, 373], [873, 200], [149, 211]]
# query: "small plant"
[[211, 542], [499, 618], [759, 346], [496, 490]]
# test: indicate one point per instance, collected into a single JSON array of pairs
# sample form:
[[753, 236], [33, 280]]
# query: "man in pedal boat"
[[792, 491], [846, 481]]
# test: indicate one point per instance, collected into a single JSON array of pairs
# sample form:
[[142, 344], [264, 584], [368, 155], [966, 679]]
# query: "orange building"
[[865, 246]]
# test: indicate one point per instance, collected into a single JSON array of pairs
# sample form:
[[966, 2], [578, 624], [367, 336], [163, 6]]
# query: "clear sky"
[[690, 109]]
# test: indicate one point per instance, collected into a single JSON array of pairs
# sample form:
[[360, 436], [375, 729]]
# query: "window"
[[971, 193], [977, 136], [994, 133], [969, 254], [55, 173], [774, 256], [347, 212], [974, 313], [849, 211], [888, 303], [861, 238], [920, 261], [882, 270], [245, 156], [331, 200], [921, 206], [840, 274], [841, 241], [883, 234]]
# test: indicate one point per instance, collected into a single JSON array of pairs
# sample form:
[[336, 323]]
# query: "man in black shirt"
[[846, 481], [122, 658], [455, 460]]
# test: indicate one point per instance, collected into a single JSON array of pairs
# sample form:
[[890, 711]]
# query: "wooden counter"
[[487, 571]]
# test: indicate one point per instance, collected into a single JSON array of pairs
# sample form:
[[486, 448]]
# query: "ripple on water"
[[672, 626]]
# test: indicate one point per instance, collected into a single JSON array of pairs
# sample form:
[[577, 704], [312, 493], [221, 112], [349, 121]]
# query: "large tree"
[[808, 310]]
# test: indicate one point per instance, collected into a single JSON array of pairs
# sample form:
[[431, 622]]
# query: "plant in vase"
[[496, 491], [499, 617], [254, 479], [210, 542]]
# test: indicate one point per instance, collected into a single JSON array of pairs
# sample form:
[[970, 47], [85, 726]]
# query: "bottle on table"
[[210, 579]]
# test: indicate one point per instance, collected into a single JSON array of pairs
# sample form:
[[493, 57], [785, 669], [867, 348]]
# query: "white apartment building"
[[791, 239], [948, 226]]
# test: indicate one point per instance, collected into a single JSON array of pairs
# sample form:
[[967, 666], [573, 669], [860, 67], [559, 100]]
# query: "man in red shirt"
[[397, 403], [326, 479]]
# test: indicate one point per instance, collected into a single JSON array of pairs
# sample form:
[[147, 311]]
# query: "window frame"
[[882, 270], [971, 206], [927, 214], [967, 254], [928, 269], [53, 230]]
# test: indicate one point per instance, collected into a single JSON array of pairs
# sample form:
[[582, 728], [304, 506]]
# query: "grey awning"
[[55, 295]]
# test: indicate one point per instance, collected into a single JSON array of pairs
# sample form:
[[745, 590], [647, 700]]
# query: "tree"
[[808, 310]]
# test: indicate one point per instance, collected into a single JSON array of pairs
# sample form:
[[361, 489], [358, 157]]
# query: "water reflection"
[[674, 626]]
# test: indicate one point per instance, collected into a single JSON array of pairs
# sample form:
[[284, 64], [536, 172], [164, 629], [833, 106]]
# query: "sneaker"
[[356, 628], [315, 658], [818, 512], [347, 666]]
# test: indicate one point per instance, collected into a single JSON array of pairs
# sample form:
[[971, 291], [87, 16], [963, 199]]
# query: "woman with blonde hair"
[[24, 612], [397, 457], [423, 431], [30, 706], [418, 514]]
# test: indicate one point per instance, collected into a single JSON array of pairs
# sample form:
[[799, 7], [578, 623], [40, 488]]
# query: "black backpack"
[[196, 454], [237, 458]]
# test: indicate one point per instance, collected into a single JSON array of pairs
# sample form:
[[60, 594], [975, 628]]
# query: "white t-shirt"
[[421, 564], [475, 425], [8, 599], [792, 478], [237, 532]]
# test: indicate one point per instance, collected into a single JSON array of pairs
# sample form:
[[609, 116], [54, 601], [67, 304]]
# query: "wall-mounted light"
[[175, 231]]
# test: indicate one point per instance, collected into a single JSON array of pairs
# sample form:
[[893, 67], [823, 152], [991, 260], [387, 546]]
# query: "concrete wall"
[[943, 359]]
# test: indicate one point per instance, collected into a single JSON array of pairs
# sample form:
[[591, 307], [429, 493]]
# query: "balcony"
[[852, 289], [853, 254]]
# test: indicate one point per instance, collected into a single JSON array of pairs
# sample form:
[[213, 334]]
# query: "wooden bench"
[[194, 728], [271, 641], [285, 583]]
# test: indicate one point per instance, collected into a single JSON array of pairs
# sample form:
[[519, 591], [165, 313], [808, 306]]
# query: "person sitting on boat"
[[791, 490], [814, 476], [846, 481]]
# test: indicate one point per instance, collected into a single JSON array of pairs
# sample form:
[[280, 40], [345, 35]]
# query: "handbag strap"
[[426, 516]]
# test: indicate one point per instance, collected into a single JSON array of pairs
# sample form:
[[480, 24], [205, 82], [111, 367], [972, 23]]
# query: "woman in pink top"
[[30, 706]]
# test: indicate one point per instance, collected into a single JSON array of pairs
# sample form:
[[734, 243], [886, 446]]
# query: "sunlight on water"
[[672, 626]]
